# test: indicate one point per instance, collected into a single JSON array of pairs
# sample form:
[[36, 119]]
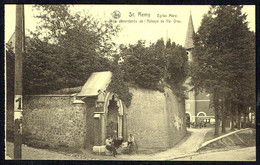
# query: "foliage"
[[143, 66], [149, 66], [61, 26], [177, 67], [119, 86], [10, 70], [65, 49], [224, 57]]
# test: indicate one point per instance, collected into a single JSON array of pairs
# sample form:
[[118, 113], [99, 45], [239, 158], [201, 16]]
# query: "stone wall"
[[155, 118], [54, 121], [175, 107], [91, 123]]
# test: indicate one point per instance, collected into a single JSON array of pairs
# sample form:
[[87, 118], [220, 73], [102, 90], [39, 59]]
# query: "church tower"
[[190, 103], [189, 41], [197, 104]]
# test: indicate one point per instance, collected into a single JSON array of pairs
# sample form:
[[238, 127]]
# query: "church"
[[197, 105]]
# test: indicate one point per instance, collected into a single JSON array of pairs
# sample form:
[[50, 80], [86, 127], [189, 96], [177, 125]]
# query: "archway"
[[201, 114], [113, 108], [112, 117], [201, 117]]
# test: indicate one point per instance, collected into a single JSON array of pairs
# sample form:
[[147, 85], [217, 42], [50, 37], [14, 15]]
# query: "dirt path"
[[29, 153], [187, 146]]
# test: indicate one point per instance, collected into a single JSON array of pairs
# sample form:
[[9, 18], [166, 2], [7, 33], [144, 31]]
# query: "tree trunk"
[[244, 122], [223, 114], [238, 117], [215, 103], [216, 124], [232, 124], [249, 121], [232, 114]]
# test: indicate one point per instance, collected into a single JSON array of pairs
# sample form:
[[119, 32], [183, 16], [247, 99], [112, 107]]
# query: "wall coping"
[[52, 95], [78, 102]]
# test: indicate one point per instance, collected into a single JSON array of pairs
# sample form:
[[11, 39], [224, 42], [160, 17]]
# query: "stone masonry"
[[54, 121], [155, 119]]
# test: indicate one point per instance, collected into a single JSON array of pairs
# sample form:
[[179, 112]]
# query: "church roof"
[[97, 81], [190, 31]]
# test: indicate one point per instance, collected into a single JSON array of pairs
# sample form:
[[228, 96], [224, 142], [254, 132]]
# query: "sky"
[[138, 22]]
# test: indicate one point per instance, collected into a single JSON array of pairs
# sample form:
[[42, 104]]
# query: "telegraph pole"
[[18, 76]]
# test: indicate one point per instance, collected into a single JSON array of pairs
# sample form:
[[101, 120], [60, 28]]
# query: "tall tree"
[[222, 58], [144, 66], [150, 66], [66, 48]]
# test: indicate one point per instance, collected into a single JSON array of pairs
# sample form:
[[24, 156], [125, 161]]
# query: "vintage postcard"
[[130, 82]]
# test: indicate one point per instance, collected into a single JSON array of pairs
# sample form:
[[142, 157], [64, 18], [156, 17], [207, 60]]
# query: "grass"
[[210, 134]]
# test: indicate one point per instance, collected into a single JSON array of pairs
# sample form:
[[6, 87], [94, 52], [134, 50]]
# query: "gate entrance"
[[112, 120], [112, 117]]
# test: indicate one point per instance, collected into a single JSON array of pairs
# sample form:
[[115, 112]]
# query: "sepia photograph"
[[130, 82]]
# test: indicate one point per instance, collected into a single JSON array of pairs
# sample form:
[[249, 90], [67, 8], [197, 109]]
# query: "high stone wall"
[[176, 117], [54, 121], [155, 118]]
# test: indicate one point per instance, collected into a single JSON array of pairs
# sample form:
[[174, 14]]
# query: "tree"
[[59, 24], [222, 59], [177, 67], [144, 66], [66, 48], [168, 44], [151, 67], [117, 84]]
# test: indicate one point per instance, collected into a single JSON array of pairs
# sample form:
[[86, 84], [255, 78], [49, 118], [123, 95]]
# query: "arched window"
[[201, 114]]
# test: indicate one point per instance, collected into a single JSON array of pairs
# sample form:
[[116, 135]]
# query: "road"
[[185, 147], [185, 150], [244, 154], [29, 153]]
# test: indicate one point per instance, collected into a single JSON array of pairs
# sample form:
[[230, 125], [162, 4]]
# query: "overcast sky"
[[175, 28]]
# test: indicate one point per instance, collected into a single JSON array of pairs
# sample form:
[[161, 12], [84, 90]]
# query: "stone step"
[[103, 151]]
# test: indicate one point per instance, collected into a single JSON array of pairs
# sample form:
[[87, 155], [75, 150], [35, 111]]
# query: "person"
[[205, 123], [130, 143], [110, 146], [118, 141], [114, 136]]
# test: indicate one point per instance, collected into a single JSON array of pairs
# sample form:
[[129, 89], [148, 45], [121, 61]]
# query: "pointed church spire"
[[190, 32]]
